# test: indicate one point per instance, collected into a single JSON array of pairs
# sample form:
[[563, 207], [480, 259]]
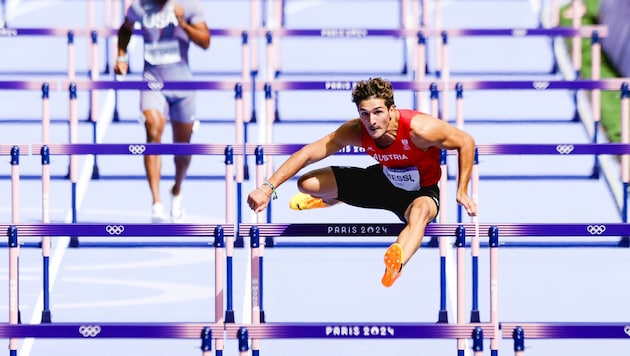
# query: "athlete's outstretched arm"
[[347, 134]]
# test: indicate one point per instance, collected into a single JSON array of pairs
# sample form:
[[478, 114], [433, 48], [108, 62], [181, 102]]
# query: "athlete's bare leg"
[[182, 133], [154, 125]]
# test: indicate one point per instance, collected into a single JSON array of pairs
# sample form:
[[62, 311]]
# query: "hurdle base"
[[270, 242], [239, 242], [434, 242], [595, 173], [229, 316], [74, 242], [474, 316], [262, 316], [443, 316], [46, 317], [625, 241], [95, 172]]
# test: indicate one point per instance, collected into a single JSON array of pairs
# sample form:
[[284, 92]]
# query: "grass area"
[[610, 105]]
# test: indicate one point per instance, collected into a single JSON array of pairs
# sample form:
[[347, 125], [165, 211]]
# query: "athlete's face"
[[375, 116]]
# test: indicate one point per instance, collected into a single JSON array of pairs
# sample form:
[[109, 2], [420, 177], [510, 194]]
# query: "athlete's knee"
[[422, 208], [154, 131], [307, 183]]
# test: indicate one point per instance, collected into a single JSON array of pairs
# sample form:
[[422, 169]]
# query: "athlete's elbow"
[[468, 141], [205, 44]]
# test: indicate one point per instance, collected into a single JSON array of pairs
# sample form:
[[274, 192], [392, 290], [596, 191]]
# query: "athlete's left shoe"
[[301, 201], [393, 264]]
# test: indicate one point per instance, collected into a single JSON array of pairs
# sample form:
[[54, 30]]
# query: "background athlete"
[[168, 27]]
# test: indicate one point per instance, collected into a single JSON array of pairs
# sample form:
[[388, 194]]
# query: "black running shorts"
[[370, 188]]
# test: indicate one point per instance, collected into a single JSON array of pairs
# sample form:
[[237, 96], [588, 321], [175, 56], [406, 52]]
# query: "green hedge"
[[610, 110]]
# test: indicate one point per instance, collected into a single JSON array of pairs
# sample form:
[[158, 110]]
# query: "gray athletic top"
[[165, 43]]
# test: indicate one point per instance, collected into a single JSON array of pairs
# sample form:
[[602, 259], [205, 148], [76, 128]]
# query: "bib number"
[[160, 53], [403, 178]]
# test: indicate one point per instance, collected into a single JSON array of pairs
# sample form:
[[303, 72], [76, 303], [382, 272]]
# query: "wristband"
[[274, 195], [124, 58]]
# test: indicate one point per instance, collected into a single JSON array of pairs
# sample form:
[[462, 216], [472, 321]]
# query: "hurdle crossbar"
[[366, 330], [344, 85], [437, 229], [96, 330], [566, 330], [137, 148], [336, 330], [563, 149], [119, 229]]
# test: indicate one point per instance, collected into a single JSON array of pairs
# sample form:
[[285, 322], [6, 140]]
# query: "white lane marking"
[[61, 243]]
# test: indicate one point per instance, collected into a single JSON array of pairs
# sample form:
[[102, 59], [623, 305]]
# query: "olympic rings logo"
[[565, 149], [519, 32], [137, 149], [115, 229], [540, 85], [596, 229], [156, 85], [89, 330], [626, 329]]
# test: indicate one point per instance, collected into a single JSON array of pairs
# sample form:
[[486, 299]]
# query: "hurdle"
[[277, 29], [142, 149], [438, 90], [519, 332], [240, 121], [548, 17], [237, 87], [508, 330], [475, 330], [16, 151], [552, 149], [120, 149], [116, 231], [94, 33]]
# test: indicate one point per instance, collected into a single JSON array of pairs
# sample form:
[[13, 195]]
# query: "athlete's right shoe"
[[301, 201], [157, 212], [393, 264], [177, 209]]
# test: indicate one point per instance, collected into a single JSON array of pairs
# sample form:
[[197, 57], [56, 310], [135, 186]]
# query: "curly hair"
[[373, 88]]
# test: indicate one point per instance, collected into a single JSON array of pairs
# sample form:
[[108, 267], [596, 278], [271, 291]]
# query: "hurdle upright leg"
[[14, 312], [74, 161], [255, 284], [45, 241], [460, 244], [15, 210], [493, 233], [474, 244], [229, 250]]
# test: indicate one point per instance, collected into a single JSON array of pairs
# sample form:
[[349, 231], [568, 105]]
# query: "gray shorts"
[[369, 188], [177, 106]]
